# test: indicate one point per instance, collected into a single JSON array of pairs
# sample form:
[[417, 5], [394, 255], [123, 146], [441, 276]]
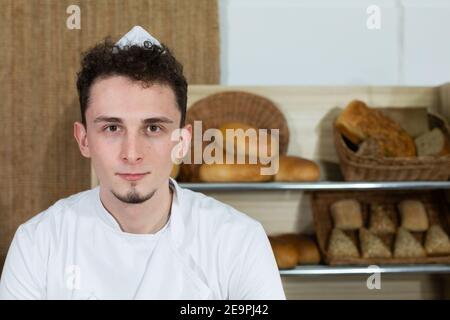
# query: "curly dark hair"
[[149, 65]]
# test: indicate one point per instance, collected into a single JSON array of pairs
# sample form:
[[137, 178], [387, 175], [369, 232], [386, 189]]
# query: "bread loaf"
[[307, 249], [432, 143], [232, 173], [358, 122], [285, 253], [293, 168]]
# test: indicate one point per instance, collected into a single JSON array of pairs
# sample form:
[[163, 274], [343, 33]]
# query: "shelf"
[[315, 186], [356, 270]]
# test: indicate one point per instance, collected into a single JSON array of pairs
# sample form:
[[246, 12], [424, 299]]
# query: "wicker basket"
[[363, 168], [234, 106], [434, 202]]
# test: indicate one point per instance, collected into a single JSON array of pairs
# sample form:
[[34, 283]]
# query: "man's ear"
[[80, 134]]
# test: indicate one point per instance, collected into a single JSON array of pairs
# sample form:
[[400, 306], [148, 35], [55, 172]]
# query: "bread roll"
[[293, 168], [358, 122], [406, 246], [347, 214], [307, 249], [413, 215], [433, 143], [381, 221], [372, 246], [232, 173], [437, 241], [285, 253], [341, 246]]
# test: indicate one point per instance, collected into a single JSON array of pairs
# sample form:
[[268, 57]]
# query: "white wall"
[[327, 42]]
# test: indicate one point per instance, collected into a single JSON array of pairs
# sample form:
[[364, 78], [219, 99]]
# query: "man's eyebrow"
[[145, 121]]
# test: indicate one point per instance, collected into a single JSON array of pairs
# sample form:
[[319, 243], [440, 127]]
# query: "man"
[[138, 235]]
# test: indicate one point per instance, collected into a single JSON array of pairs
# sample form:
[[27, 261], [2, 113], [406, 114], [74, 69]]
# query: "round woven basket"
[[234, 106]]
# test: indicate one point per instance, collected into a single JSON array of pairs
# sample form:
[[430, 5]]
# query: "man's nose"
[[132, 149]]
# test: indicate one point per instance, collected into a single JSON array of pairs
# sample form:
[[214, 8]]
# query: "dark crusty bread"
[[359, 122]]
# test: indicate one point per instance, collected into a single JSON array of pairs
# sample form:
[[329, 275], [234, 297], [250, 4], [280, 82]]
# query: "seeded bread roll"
[[437, 241], [381, 220], [406, 246], [359, 122], [347, 214], [341, 246], [372, 246]]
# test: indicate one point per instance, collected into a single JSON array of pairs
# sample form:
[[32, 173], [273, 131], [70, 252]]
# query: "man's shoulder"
[[60, 210]]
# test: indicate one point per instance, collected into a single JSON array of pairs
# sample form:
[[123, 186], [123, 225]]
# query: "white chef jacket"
[[76, 250]]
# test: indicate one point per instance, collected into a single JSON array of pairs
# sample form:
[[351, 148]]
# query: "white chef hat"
[[137, 36]]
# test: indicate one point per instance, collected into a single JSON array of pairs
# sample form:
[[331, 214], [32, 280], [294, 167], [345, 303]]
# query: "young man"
[[137, 235]]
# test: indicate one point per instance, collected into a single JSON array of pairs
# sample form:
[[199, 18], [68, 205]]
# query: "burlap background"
[[39, 57]]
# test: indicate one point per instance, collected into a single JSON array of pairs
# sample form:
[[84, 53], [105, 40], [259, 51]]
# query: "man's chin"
[[133, 196]]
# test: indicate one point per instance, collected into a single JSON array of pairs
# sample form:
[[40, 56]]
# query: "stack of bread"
[[391, 133], [290, 168], [403, 230], [292, 249]]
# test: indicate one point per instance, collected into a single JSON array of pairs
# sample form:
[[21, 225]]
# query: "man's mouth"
[[132, 176]]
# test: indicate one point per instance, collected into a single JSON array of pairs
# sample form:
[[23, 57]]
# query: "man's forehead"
[[113, 100]]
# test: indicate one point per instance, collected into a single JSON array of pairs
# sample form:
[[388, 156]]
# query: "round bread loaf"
[[292, 168]]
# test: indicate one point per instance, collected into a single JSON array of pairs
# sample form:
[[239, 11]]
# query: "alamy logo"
[[74, 20], [73, 277], [374, 19], [374, 281], [250, 146]]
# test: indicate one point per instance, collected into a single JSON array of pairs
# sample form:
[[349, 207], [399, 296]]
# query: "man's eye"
[[112, 128], [154, 128]]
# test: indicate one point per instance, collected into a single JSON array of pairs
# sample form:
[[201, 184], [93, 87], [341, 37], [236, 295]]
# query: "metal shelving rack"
[[315, 270], [332, 185], [317, 186]]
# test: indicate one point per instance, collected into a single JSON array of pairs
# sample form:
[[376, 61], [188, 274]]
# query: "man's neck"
[[144, 218]]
